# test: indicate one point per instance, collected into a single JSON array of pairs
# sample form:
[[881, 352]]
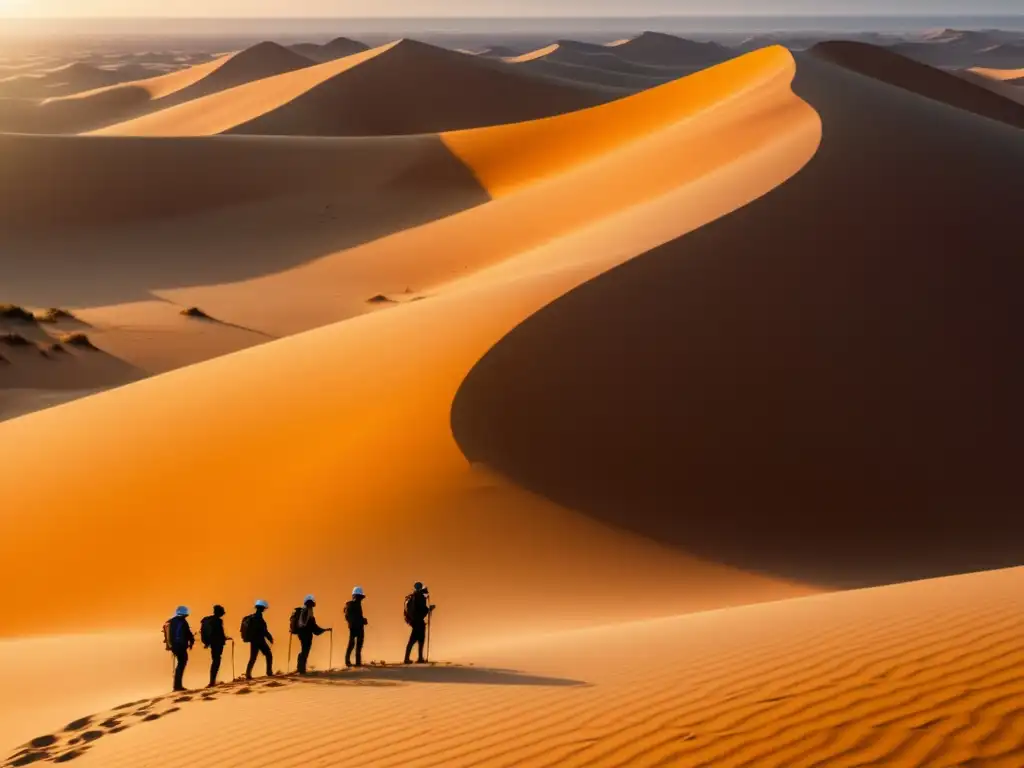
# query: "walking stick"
[[232, 658], [430, 616], [288, 666]]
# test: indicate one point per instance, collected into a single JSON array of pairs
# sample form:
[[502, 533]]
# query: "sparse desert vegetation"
[[12, 312], [380, 298], [15, 340], [54, 315], [78, 339], [195, 312]]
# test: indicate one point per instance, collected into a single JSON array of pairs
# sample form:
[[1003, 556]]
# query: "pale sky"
[[430, 8]]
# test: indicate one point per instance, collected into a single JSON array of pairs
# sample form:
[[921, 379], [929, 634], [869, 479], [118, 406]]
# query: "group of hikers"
[[179, 639]]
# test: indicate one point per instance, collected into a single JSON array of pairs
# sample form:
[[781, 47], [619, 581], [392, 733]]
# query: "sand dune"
[[897, 70], [1005, 87], [907, 430], [914, 674], [592, 65], [102, 106], [298, 444], [62, 80], [664, 50], [335, 49], [428, 89], [954, 48], [1014, 76]]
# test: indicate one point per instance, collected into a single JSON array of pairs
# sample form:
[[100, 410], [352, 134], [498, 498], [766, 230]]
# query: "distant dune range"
[[712, 344], [101, 106], [335, 49], [428, 90]]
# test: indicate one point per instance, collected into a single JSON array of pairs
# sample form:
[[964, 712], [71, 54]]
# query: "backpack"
[[293, 622], [245, 628], [206, 631], [167, 635], [407, 613]]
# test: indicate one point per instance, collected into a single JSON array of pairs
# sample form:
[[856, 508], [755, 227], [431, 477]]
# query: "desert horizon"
[[676, 357]]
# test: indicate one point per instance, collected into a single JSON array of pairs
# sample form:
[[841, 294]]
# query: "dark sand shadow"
[[824, 384], [182, 212], [79, 736]]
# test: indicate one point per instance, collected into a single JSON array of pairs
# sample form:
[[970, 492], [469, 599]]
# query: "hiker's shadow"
[[436, 673]]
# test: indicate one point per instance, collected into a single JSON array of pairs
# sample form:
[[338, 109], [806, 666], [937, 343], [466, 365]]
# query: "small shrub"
[[196, 312], [16, 313], [15, 340], [54, 315], [380, 298], [79, 340]]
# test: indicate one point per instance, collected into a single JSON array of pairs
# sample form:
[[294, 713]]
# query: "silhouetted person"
[[258, 637], [211, 632], [416, 612], [306, 627], [180, 640], [356, 623]]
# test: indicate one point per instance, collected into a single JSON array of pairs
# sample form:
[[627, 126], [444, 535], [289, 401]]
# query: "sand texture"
[[665, 392]]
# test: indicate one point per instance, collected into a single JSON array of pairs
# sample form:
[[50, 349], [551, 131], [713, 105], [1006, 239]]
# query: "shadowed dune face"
[[886, 66], [194, 207], [823, 384]]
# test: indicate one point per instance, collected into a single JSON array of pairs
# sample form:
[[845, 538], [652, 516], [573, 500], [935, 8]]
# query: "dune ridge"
[[356, 415], [101, 106], [419, 79]]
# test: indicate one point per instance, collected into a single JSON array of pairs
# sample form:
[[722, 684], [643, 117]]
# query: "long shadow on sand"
[[824, 384], [81, 735]]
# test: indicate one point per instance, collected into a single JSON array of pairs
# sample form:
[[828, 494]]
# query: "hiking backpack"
[[245, 629], [206, 631], [293, 622], [407, 612], [167, 635]]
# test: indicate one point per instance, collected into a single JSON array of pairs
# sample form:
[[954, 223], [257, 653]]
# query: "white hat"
[[309, 599], [262, 604], [358, 591], [181, 611]]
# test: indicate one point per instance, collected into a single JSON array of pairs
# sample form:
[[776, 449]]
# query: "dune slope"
[[331, 454], [102, 106], [917, 674], [889, 67], [400, 88], [837, 399]]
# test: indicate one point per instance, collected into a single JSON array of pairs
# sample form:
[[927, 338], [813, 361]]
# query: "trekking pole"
[[232, 658], [430, 617], [289, 664]]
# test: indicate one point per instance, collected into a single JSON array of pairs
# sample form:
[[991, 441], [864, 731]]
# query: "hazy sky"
[[323, 8]]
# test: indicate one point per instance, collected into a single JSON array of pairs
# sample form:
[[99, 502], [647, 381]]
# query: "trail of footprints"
[[78, 736]]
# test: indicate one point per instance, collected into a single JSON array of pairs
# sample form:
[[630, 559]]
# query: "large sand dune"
[[102, 106], [337, 48], [400, 88], [889, 67], [664, 50], [330, 453], [701, 347], [848, 419]]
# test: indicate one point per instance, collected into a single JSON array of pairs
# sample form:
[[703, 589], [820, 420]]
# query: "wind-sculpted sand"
[[631, 384]]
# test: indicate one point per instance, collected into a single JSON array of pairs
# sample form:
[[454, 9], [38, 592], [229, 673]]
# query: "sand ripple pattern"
[[923, 674]]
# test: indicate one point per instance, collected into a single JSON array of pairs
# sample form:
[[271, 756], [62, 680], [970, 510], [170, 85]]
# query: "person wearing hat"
[[181, 641], [356, 623], [211, 632], [258, 636], [416, 612], [306, 628]]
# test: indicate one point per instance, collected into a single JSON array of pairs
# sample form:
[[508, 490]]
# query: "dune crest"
[[344, 98]]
